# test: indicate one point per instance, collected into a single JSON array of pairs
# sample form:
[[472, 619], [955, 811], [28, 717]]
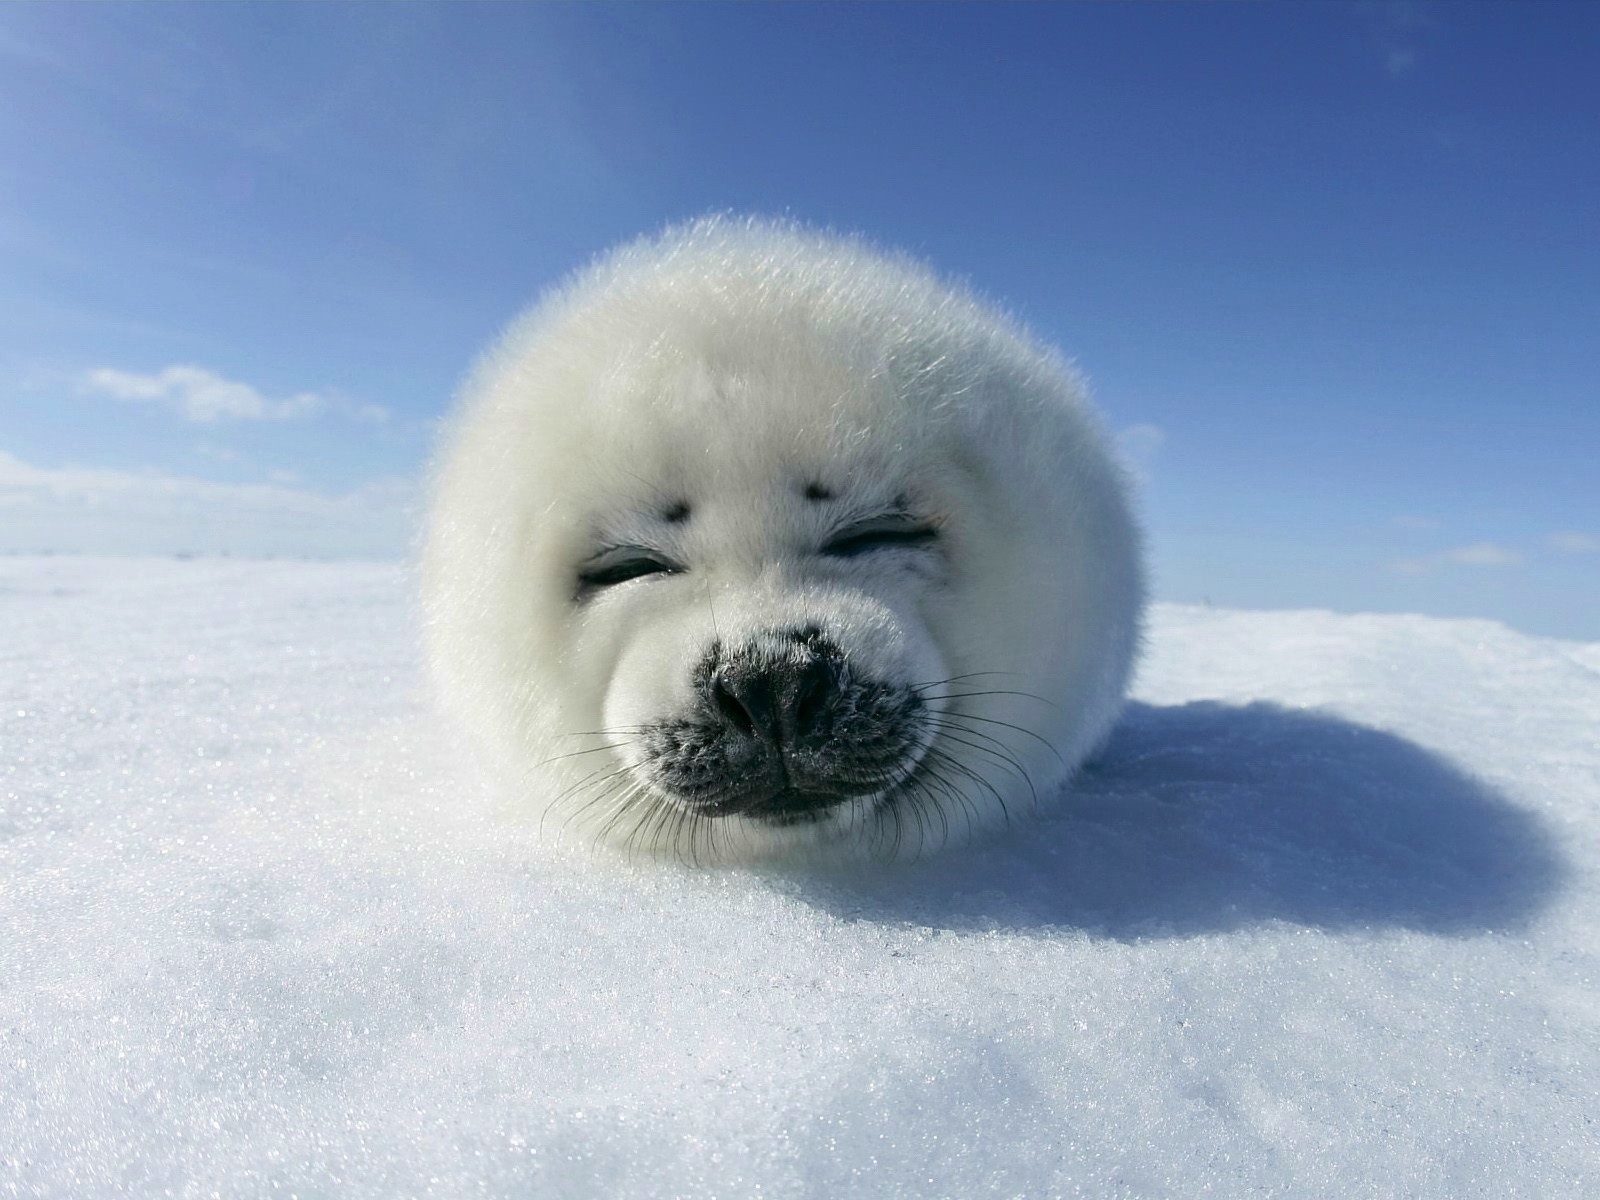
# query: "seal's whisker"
[[613, 797], [663, 816], [1006, 762], [581, 753], [593, 779], [994, 692], [944, 822], [947, 788], [917, 687], [608, 789], [961, 768], [990, 746], [1026, 732], [988, 741], [621, 808]]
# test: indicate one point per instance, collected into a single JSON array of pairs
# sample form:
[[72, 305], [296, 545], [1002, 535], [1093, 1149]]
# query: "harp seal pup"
[[752, 541]]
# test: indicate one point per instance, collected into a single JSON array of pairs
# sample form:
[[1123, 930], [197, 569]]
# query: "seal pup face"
[[751, 592], [753, 543], [773, 678]]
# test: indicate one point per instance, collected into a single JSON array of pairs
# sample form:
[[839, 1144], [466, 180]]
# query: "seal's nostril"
[[744, 701], [776, 702], [813, 690]]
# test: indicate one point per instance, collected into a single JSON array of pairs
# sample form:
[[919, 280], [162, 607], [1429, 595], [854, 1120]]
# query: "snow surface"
[[1322, 921]]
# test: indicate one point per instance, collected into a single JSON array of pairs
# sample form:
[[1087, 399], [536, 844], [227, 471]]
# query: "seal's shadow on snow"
[[1208, 817]]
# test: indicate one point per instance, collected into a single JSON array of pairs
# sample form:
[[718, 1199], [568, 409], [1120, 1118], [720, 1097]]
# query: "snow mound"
[[1321, 921]]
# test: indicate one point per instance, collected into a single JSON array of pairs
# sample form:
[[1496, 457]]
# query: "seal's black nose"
[[782, 703], [785, 731]]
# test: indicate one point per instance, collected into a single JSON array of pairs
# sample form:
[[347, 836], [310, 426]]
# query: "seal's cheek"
[[647, 675]]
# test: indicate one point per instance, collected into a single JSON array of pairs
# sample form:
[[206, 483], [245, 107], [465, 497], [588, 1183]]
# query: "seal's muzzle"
[[785, 730]]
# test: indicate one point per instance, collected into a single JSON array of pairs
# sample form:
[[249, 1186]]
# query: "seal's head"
[[753, 541]]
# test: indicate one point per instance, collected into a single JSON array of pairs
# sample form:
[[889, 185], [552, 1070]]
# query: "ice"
[[1322, 921]]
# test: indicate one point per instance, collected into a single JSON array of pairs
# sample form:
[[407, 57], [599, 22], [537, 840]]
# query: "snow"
[[1322, 921]]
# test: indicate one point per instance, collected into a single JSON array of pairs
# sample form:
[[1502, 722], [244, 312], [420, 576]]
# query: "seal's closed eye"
[[881, 533], [619, 564]]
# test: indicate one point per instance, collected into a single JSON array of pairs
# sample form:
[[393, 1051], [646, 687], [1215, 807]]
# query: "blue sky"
[[1333, 270]]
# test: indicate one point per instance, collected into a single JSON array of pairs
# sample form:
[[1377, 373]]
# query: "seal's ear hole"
[[676, 513], [817, 492]]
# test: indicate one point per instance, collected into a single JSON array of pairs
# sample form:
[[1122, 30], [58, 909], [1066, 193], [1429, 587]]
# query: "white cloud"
[[1397, 61], [1483, 554], [1415, 524], [1139, 445], [1477, 554], [92, 511], [204, 396], [1412, 566], [216, 453], [1394, 27], [1572, 542], [199, 394]]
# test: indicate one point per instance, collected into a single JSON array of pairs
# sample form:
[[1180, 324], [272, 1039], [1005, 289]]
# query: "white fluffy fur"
[[727, 363]]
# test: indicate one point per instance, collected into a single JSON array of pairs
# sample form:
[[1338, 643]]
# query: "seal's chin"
[[793, 807], [789, 806]]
